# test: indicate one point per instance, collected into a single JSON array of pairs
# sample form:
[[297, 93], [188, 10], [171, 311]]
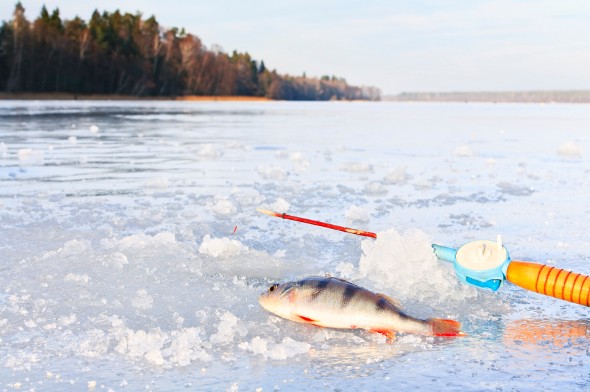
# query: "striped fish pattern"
[[336, 303]]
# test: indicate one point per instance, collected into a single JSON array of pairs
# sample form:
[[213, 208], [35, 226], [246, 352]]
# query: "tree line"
[[123, 53]]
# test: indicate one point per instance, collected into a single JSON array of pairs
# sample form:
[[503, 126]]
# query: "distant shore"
[[549, 96], [116, 97]]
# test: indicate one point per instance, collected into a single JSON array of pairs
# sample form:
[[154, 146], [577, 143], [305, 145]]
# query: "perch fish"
[[336, 303]]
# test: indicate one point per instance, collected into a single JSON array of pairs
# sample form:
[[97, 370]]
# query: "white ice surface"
[[133, 258]]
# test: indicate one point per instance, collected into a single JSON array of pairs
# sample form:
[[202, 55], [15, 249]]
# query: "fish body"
[[336, 303]]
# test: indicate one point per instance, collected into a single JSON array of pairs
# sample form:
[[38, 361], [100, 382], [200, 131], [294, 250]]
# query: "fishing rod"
[[487, 264]]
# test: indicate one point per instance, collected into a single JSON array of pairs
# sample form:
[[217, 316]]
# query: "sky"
[[398, 46]]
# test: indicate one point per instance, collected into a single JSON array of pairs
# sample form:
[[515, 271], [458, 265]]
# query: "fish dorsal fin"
[[392, 301]]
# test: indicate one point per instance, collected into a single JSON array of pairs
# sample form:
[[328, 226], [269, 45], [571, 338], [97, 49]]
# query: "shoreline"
[[116, 97]]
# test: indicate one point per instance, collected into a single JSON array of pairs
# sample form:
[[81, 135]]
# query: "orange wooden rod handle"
[[551, 281]]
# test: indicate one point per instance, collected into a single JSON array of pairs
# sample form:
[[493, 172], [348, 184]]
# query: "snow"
[[357, 214], [133, 255], [280, 205]]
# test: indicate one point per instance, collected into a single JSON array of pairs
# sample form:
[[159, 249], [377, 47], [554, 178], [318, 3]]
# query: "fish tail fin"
[[442, 327]]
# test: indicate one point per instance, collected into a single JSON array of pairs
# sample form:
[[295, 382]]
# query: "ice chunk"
[[357, 214], [223, 207], [346, 270], [396, 176], [280, 205], [95, 344], [94, 129], [405, 266], [375, 188], [139, 343], [186, 346], [3, 150], [68, 320], [221, 247], [142, 300], [257, 346], [248, 197], [271, 172], [226, 329], [140, 241], [73, 140], [116, 259], [569, 149], [74, 247], [279, 351], [300, 163], [155, 357], [208, 152]]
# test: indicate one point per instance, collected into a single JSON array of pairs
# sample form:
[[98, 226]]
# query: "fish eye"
[[273, 287]]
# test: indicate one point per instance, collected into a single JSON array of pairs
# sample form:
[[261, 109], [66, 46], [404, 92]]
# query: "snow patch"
[[226, 329], [208, 152], [271, 172], [397, 176], [140, 241], [280, 205], [375, 188], [357, 214], [223, 207], [221, 247]]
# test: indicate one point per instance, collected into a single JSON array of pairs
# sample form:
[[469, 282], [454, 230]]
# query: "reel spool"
[[481, 263]]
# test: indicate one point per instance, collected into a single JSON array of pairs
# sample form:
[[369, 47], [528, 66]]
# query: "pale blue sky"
[[396, 45]]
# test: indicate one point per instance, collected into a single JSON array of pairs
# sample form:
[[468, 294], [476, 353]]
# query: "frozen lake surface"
[[120, 268]]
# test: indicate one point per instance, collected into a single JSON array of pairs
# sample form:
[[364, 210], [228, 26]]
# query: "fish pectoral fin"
[[392, 301], [306, 319], [389, 334]]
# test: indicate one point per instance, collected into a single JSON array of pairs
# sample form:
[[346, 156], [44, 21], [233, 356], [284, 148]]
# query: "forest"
[[123, 53]]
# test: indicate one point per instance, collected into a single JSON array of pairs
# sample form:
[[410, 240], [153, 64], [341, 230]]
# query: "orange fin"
[[441, 327], [387, 332], [306, 319], [392, 301]]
